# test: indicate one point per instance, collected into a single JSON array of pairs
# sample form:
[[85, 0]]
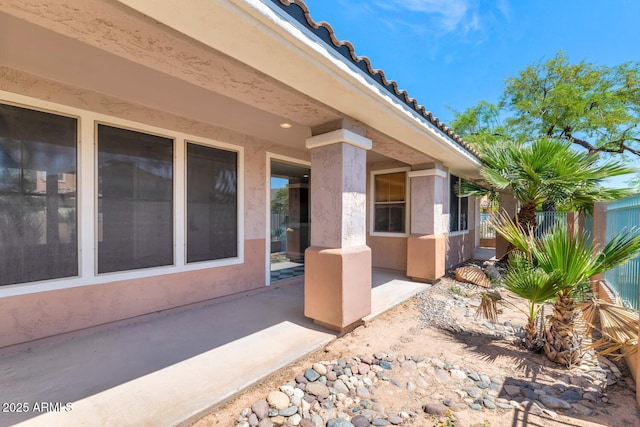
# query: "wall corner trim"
[[428, 172], [341, 135]]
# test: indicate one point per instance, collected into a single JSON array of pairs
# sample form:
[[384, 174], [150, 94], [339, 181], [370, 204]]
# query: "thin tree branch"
[[622, 147]]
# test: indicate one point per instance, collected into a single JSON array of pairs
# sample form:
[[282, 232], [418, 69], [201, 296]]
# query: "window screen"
[[38, 198], [212, 203], [135, 200]]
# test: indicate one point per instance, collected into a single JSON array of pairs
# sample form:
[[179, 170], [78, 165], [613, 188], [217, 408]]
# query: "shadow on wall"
[[459, 248]]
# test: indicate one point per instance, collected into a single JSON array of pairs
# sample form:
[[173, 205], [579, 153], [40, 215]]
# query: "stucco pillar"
[[573, 223], [426, 245], [508, 205], [337, 279]]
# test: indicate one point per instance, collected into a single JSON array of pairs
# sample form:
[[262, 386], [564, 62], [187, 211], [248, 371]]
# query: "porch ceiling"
[[110, 48], [158, 70]]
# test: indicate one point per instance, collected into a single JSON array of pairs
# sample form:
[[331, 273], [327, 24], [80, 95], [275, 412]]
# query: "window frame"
[[87, 185], [239, 205], [372, 202], [44, 107], [96, 213], [459, 200]]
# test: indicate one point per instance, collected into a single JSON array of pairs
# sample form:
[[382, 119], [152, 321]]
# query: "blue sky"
[[454, 53]]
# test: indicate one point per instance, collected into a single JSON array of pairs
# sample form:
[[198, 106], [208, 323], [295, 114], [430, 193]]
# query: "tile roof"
[[298, 10]]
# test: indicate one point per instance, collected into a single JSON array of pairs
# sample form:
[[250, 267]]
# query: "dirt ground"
[[439, 324]]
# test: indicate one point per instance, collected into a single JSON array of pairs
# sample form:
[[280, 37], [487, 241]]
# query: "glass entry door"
[[290, 229]]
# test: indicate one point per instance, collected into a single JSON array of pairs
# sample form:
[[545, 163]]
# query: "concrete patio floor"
[[173, 368]]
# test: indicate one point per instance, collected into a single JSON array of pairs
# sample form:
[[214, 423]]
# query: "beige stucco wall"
[[388, 252], [28, 317], [31, 316], [459, 248]]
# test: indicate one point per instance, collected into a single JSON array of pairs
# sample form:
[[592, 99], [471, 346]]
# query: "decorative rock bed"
[[342, 393]]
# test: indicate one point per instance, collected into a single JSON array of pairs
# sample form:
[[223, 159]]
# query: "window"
[[212, 203], [458, 207], [135, 200], [38, 219], [390, 202]]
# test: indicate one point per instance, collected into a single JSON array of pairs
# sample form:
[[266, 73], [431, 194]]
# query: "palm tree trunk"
[[531, 335], [527, 217], [563, 344]]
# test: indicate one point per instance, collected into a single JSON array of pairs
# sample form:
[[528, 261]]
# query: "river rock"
[[318, 389], [553, 402], [319, 368], [261, 408], [339, 422], [278, 400], [434, 408], [311, 375]]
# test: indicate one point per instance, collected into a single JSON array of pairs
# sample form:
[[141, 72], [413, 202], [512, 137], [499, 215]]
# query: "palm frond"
[[472, 189], [567, 255], [618, 326], [512, 232], [488, 308], [532, 284]]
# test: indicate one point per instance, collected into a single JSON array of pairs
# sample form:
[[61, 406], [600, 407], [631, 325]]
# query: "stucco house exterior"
[[138, 141]]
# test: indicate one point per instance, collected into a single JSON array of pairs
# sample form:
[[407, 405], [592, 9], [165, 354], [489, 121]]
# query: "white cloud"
[[504, 8], [448, 15], [470, 20], [451, 12]]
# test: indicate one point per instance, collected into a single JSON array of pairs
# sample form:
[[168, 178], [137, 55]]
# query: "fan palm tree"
[[536, 287], [565, 263], [546, 170]]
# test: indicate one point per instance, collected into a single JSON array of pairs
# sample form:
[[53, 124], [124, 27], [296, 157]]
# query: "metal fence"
[[486, 231], [588, 228], [546, 222], [625, 280]]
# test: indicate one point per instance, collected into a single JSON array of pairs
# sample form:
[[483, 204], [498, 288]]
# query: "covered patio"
[[174, 367]]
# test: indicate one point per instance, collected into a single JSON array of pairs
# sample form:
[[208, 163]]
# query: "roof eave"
[[320, 72]]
